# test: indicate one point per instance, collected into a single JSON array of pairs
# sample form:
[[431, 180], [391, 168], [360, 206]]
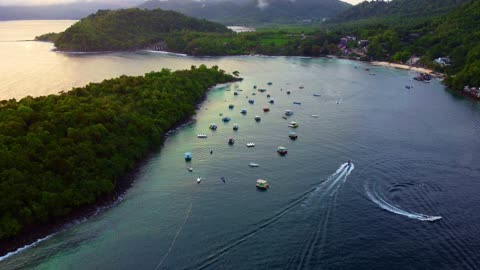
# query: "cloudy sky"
[[47, 2]]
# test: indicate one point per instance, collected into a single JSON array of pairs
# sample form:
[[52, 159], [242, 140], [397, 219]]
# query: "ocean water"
[[407, 201]]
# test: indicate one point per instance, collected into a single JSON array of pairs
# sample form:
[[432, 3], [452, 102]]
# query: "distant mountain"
[[129, 29], [72, 11], [398, 9], [252, 12]]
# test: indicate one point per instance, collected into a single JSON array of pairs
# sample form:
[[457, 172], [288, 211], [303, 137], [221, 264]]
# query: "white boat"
[[199, 179], [250, 144], [202, 136], [253, 164], [262, 184], [190, 169], [293, 124], [288, 112]]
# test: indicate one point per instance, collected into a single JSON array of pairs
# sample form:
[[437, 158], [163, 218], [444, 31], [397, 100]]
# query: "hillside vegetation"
[[128, 29], [60, 152], [255, 12]]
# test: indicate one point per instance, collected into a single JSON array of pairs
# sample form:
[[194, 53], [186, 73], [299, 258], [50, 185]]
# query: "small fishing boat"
[[243, 111], [190, 169], [262, 184], [293, 124], [288, 92], [301, 87], [282, 150], [235, 127], [250, 144], [213, 127], [251, 101], [235, 93], [297, 103], [253, 164], [271, 101], [268, 95], [269, 83], [199, 179], [202, 136], [254, 94], [257, 118], [288, 112], [226, 119], [254, 87], [262, 90], [231, 106], [188, 156], [266, 109], [293, 135], [314, 115], [316, 95], [284, 117], [231, 141]]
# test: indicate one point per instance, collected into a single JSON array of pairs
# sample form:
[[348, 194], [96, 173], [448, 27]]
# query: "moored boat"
[[231, 141], [282, 150], [271, 101], [235, 93], [316, 95], [266, 109], [199, 179], [250, 144], [297, 103], [202, 136], [253, 164], [262, 184], [288, 92], [293, 124], [293, 135], [213, 127], [231, 106], [288, 112], [235, 127], [226, 119], [188, 156], [269, 83], [251, 101], [257, 118], [243, 111]]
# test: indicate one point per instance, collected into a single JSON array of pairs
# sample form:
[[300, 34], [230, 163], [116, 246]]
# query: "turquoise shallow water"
[[415, 156]]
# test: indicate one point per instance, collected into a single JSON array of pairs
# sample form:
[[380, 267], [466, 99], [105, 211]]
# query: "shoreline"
[[406, 67], [36, 233]]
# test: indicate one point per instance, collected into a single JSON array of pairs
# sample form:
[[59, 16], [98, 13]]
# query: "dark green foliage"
[[49, 37], [59, 152], [250, 12], [398, 9], [128, 29]]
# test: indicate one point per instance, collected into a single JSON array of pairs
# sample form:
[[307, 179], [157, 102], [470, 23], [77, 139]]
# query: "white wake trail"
[[382, 202]]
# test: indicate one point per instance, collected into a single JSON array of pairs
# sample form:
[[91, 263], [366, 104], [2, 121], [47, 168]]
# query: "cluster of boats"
[[281, 150]]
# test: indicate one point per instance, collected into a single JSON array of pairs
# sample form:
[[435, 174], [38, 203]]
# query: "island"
[[61, 153]]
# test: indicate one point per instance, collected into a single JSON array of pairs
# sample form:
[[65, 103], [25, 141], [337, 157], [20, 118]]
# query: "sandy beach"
[[402, 66]]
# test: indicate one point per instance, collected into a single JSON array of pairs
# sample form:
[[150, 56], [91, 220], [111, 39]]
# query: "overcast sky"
[[47, 2]]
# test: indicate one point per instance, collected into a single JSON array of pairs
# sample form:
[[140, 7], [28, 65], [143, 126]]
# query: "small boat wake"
[[379, 199]]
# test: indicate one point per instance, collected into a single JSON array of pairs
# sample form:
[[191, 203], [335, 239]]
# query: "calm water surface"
[[415, 157]]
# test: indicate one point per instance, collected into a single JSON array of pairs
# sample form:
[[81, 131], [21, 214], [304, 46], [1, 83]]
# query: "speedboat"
[[226, 119], [250, 144], [213, 127], [188, 156], [293, 124], [253, 164], [293, 135], [262, 184], [199, 179], [282, 150], [257, 118], [235, 127], [202, 136], [288, 112], [349, 163], [231, 106], [266, 109], [251, 101], [190, 169], [231, 141]]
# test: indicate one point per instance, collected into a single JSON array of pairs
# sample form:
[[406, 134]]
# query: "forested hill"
[[128, 29], [60, 152], [397, 9], [255, 12]]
